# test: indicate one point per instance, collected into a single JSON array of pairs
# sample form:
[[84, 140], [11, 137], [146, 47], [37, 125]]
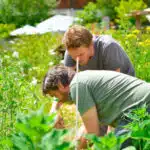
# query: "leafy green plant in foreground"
[[108, 142], [140, 128], [139, 132], [35, 132]]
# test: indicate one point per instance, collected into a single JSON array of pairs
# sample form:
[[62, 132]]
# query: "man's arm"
[[59, 123], [114, 57], [91, 125]]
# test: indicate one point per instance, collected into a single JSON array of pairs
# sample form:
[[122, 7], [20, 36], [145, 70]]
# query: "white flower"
[[15, 54], [52, 52], [19, 63], [23, 75], [62, 62], [34, 81], [22, 70], [14, 73], [15, 79], [51, 63], [12, 42], [35, 102]]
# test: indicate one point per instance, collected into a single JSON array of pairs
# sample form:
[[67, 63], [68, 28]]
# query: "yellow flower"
[[131, 36], [136, 31], [145, 43], [148, 29], [141, 44]]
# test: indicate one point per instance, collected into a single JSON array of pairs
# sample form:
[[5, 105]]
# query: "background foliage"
[[117, 11], [125, 8], [20, 12]]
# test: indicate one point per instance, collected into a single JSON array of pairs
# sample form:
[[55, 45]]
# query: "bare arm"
[[91, 125], [59, 123]]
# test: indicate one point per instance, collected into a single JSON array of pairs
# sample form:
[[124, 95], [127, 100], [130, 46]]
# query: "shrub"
[[93, 12], [20, 88], [90, 14], [107, 8], [139, 127], [25, 12], [126, 7], [16, 93], [34, 131], [38, 50]]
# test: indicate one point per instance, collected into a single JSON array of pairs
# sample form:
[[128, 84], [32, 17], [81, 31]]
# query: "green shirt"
[[111, 92]]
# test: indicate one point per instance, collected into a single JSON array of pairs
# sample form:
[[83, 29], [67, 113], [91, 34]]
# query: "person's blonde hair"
[[77, 36]]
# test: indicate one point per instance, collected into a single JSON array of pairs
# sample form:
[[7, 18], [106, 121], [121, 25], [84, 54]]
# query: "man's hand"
[[59, 123], [91, 126], [80, 138]]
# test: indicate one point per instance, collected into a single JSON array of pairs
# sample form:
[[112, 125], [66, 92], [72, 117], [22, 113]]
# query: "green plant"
[[25, 12], [93, 12], [15, 91], [35, 131], [5, 30], [38, 50], [136, 43], [108, 142], [140, 127], [90, 14], [123, 10], [107, 8]]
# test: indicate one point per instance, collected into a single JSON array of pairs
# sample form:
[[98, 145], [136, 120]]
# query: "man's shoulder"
[[84, 77], [105, 41], [79, 77]]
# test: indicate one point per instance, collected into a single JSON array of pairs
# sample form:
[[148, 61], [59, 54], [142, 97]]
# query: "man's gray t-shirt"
[[111, 92], [108, 56]]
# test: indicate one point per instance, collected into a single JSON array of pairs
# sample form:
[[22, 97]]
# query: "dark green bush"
[[125, 8], [24, 12], [90, 14], [107, 8], [34, 131], [93, 12]]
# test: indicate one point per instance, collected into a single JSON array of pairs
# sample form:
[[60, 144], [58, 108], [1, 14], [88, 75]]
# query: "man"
[[104, 96], [95, 53]]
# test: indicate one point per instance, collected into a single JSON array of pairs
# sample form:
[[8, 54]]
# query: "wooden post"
[[138, 22]]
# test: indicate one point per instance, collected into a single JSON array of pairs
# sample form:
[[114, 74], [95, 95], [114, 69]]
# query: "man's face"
[[62, 96], [83, 53]]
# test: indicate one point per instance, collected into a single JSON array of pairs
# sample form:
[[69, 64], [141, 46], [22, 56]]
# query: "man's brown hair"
[[77, 36], [56, 74]]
